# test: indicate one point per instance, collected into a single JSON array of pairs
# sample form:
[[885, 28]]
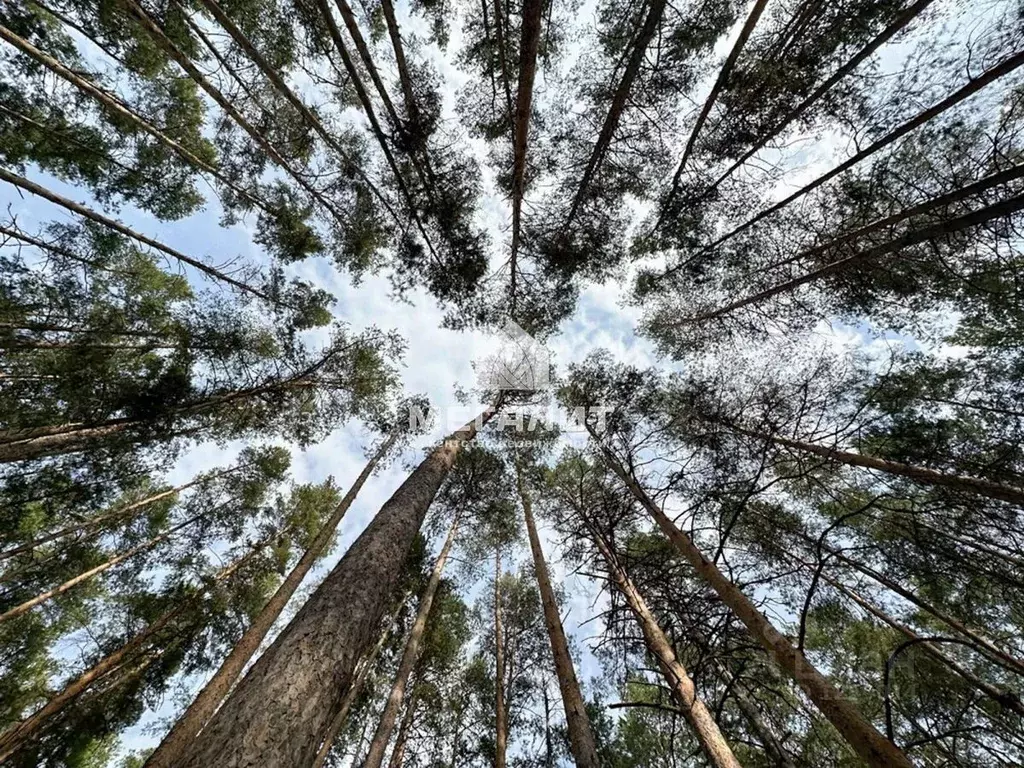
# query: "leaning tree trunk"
[[694, 711], [175, 743], [74, 581], [278, 713], [581, 735], [411, 654], [365, 666], [402, 740], [874, 748], [500, 715], [16, 735]]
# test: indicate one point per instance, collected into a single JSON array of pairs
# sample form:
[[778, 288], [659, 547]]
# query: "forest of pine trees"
[[762, 505]]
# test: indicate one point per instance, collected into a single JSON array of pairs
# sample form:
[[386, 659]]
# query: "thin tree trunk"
[[611, 122], [500, 714], [404, 75], [363, 671], [1006, 700], [963, 483], [874, 748], [581, 734], [92, 523], [122, 110], [752, 714], [528, 46], [716, 89], [275, 77], [95, 571], [168, 46], [410, 656], [352, 25], [684, 693], [986, 78], [914, 237], [18, 734], [499, 37], [199, 712], [404, 730], [277, 714], [81, 210]]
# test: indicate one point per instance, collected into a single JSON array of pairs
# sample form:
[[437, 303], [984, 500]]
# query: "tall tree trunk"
[[191, 722], [362, 672], [500, 712], [404, 730], [874, 748], [277, 714], [92, 523], [74, 581], [622, 90], [410, 655], [352, 25], [88, 213], [1008, 701], [18, 734], [581, 734], [986, 78], [404, 75], [684, 693], [962, 483], [752, 714]]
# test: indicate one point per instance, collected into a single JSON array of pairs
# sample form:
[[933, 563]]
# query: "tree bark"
[[404, 76], [963, 483], [611, 122], [684, 693], [18, 734], [874, 748], [42, 597], [410, 656], [88, 213], [528, 46], [191, 722], [404, 730], [986, 78], [277, 714], [581, 734], [363, 671], [500, 714]]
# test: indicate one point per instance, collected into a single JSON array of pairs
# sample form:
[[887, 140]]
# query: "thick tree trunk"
[[963, 483], [500, 713], [404, 731], [95, 522], [611, 122], [94, 571], [175, 743], [81, 210], [528, 46], [684, 693], [410, 655], [874, 748], [363, 671], [16, 735], [277, 715], [1008, 701], [581, 735]]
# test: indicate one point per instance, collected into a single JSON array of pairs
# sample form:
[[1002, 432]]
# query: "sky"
[[437, 360]]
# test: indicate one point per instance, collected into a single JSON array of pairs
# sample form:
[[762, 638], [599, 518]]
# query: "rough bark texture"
[[500, 715], [402, 740], [278, 714], [694, 711], [581, 735], [410, 655], [874, 748], [357, 685], [176, 742]]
